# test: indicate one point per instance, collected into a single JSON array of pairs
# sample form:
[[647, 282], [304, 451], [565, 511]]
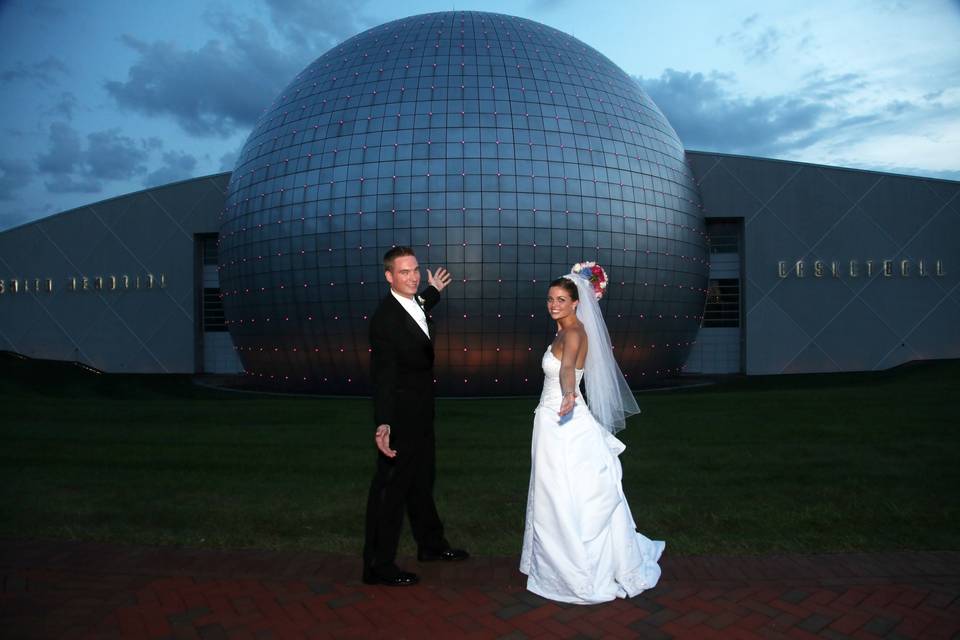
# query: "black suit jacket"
[[401, 362]]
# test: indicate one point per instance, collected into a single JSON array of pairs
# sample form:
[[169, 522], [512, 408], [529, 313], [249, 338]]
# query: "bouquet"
[[594, 273]]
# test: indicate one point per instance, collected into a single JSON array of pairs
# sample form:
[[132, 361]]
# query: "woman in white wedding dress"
[[580, 544]]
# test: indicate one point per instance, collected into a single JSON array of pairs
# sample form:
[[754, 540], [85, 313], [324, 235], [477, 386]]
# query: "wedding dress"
[[580, 544]]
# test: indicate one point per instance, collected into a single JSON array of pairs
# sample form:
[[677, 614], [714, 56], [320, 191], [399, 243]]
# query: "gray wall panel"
[[123, 330], [795, 211]]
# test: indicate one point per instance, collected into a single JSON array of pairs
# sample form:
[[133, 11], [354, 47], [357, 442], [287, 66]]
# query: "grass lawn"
[[786, 463]]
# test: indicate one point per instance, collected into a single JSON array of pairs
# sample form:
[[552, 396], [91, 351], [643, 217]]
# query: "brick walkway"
[[87, 590]]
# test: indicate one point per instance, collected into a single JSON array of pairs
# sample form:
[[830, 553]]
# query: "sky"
[[107, 97]]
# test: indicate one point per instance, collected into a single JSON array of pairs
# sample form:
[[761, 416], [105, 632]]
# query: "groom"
[[401, 341]]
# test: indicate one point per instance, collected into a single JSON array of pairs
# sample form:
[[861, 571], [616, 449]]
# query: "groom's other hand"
[[382, 438], [440, 279]]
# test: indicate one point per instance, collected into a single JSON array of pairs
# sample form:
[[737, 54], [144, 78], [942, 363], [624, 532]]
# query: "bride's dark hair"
[[567, 285]]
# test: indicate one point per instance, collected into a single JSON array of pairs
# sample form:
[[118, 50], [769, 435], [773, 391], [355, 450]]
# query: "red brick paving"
[[93, 591]]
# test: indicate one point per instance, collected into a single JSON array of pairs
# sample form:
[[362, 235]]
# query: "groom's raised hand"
[[440, 279]]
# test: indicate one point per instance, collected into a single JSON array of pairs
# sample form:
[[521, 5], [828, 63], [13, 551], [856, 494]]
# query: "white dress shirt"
[[414, 309]]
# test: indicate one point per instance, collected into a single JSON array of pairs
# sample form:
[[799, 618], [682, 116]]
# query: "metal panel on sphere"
[[494, 145]]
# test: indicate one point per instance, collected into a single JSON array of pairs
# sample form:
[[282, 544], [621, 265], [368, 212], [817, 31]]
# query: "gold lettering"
[[818, 269], [939, 268], [905, 268], [834, 269], [113, 283], [869, 268], [98, 283], [782, 268], [72, 283], [15, 286], [149, 281], [85, 283], [3, 286], [49, 285], [853, 269], [36, 285], [887, 268], [138, 282], [799, 268], [163, 280], [26, 286], [921, 268], [126, 282]]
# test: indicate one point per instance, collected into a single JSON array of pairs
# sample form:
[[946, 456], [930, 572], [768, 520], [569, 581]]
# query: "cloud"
[[177, 165], [707, 116], [839, 120], [112, 156], [316, 24], [759, 43], [537, 6], [17, 213], [819, 85], [14, 175], [45, 73], [65, 152], [66, 184], [229, 160], [74, 166], [211, 91], [13, 217], [64, 106]]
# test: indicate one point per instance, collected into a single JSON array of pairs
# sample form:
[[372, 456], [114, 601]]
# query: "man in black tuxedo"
[[401, 341]]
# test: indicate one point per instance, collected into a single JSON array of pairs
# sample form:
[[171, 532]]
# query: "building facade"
[[820, 269], [812, 269], [126, 285]]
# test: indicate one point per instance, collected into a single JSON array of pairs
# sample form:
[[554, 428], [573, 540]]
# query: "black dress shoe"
[[446, 555], [397, 579]]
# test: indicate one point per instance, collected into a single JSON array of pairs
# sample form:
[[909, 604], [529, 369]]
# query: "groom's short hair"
[[393, 254]]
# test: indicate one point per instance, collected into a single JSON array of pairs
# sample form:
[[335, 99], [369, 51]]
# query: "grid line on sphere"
[[561, 158]]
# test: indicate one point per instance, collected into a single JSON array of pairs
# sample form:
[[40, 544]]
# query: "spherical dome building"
[[498, 147]]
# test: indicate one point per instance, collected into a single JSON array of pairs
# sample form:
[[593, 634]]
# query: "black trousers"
[[402, 484]]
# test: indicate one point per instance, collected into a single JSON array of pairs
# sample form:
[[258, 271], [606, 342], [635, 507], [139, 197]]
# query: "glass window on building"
[[724, 236], [213, 319], [723, 303], [209, 250]]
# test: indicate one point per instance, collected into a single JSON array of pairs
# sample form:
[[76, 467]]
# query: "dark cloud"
[[819, 85], [214, 90], [72, 166], [66, 184], [899, 107], [317, 24], [13, 217], [65, 152], [756, 42], [18, 213], [112, 156], [45, 73], [229, 160], [537, 6], [42, 9], [14, 175], [177, 165], [706, 116], [64, 106]]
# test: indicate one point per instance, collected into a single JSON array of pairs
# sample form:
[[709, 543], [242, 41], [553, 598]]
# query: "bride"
[[580, 543]]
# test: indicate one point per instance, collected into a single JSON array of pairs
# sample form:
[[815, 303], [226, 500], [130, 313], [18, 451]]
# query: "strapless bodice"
[[552, 396]]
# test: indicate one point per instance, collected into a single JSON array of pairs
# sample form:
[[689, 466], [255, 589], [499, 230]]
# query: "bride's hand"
[[569, 401]]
